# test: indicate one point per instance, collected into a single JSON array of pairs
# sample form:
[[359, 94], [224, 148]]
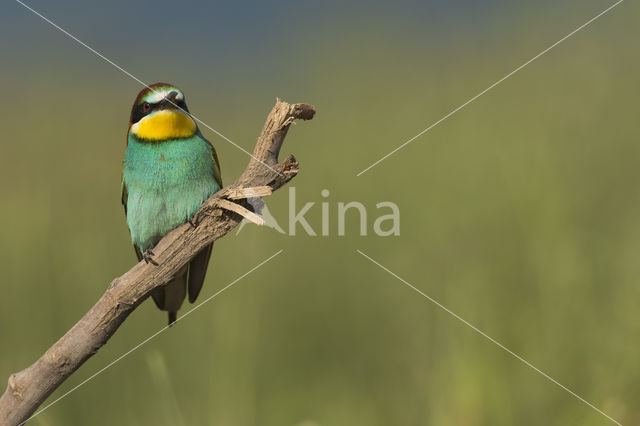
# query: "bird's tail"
[[170, 297], [190, 277]]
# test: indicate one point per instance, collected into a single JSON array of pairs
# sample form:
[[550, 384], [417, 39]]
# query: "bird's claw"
[[194, 221], [147, 257]]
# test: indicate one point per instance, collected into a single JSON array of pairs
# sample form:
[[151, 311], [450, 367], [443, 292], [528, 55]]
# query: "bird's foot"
[[194, 221], [147, 257]]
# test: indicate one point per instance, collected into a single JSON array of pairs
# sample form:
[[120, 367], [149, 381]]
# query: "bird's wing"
[[199, 264], [158, 294], [125, 196], [123, 187], [216, 165]]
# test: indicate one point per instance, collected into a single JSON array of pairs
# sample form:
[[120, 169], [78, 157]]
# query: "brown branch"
[[30, 387], [242, 211]]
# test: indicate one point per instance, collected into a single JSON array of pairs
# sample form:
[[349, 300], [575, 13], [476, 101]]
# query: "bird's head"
[[160, 113]]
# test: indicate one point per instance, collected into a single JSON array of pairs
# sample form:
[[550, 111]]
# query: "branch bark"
[[29, 388]]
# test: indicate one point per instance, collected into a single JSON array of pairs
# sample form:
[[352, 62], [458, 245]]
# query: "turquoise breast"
[[166, 182]]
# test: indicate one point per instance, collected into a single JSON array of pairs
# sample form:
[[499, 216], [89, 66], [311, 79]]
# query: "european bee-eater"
[[169, 170]]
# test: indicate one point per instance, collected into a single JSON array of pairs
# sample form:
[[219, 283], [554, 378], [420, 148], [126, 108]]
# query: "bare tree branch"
[[29, 388]]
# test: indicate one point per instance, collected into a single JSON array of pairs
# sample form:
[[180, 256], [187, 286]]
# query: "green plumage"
[[166, 183], [163, 184]]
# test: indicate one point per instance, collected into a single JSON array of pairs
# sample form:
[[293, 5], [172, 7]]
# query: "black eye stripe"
[[182, 105], [139, 112]]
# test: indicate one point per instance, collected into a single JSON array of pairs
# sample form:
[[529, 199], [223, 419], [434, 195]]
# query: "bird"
[[169, 170]]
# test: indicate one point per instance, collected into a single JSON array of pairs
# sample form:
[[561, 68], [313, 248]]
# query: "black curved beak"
[[171, 96], [169, 101]]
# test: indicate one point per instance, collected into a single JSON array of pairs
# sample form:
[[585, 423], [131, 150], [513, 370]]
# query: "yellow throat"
[[163, 125]]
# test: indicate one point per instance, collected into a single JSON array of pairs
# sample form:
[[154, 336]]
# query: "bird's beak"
[[171, 96], [169, 101]]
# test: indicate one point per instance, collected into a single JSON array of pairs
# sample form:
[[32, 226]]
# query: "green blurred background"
[[520, 213]]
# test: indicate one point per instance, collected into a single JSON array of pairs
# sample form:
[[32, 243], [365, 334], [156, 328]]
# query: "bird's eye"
[[146, 106]]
